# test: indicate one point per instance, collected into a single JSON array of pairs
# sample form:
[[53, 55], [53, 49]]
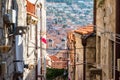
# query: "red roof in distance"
[[85, 30]]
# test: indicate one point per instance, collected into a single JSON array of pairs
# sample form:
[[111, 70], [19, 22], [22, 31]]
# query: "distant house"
[[55, 62], [80, 63]]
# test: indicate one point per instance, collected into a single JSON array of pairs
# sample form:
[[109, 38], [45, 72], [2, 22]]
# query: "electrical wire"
[[60, 49], [113, 38], [72, 49], [112, 67], [105, 31], [116, 36]]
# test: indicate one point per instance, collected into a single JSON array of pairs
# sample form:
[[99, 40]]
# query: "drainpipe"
[[84, 44], [36, 46], [41, 55]]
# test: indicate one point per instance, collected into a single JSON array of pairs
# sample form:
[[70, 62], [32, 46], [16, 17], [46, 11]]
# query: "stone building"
[[71, 50], [81, 46], [107, 39], [21, 28], [55, 62], [106, 46]]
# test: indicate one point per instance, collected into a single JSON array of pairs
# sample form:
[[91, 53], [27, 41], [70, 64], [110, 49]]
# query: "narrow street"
[[59, 39]]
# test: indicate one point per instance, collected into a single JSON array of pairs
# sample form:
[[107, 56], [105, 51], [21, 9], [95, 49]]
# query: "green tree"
[[52, 73]]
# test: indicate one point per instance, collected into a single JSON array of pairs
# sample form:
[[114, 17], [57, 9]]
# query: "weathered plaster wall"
[[105, 25], [90, 56]]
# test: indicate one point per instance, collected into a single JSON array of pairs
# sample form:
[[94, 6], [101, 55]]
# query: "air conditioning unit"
[[118, 64]]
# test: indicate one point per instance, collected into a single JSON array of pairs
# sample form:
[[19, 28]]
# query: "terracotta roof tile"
[[81, 30], [54, 58], [85, 30]]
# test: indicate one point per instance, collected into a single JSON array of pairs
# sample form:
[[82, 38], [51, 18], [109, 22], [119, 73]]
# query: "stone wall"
[[90, 56], [9, 57], [105, 25], [79, 58]]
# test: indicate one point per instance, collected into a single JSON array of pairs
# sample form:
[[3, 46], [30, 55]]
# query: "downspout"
[[36, 46], [41, 56], [84, 44], [19, 64]]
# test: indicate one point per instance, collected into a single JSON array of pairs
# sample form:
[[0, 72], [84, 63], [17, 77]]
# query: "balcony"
[[30, 8], [31, 16]]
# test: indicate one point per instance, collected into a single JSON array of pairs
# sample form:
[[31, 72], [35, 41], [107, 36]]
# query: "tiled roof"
[[81, 30], [54, 58], [85, 30]]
